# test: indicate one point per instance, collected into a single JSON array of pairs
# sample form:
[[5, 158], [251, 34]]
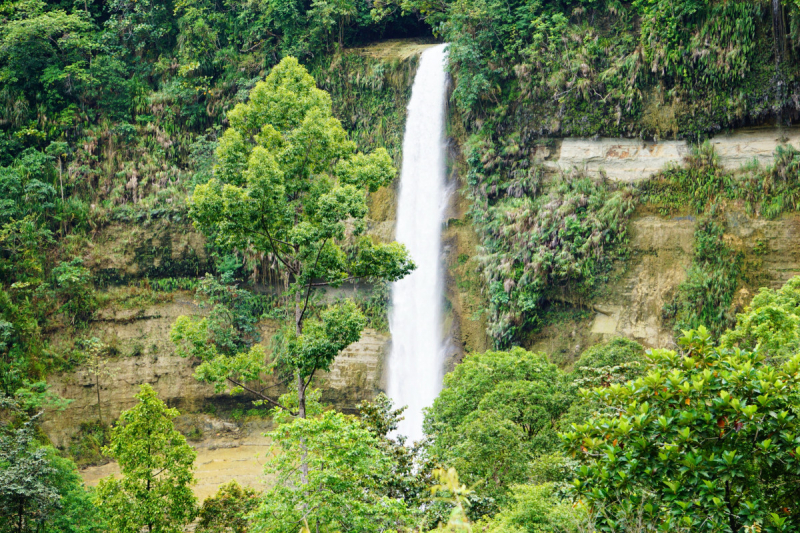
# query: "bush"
[[770, 323], [708, 440], [228, 510], [705, 297], [496, 413]]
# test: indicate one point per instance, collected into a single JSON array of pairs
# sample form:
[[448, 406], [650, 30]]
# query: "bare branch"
[[262, 396], [308, 289]]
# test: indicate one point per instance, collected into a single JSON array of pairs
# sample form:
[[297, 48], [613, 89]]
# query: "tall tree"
[[27, 497], [154, 494], [290, 187], [344, 485], [497, 412], [39, 490]]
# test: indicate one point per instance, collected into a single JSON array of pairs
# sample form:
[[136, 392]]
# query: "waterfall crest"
[[415, 320]]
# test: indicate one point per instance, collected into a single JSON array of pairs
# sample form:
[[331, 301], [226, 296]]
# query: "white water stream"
[[415, 321]]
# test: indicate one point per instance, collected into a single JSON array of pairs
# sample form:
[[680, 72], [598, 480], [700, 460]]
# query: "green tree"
[[616, 361], [27, 498], [536, 509], [707, 440], [39, 490], [228, 510], [771, 322], [290, 186], [496, 413], [73, 284], [343, 487], [155, 492], [601, 365]]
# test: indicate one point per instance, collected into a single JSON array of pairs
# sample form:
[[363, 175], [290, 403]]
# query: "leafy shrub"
[[495, 414], [700, 183], [705, 441], [536, 509], [73, 286], [228, 510], [86, 448], [616, 361], [706, 295], [771, 323]]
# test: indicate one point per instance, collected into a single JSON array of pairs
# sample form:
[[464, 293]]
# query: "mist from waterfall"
[[415, 320]]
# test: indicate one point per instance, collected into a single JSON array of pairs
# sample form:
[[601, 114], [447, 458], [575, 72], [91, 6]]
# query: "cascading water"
[[415, 321]]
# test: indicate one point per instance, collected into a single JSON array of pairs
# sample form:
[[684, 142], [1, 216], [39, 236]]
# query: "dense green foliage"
[[114, 112], [39, 490], [707, 440], [705, 297], [495, 414], [771, 322], [155, 491], [541, 239], [228, 510], [331, 473], [289, 185]]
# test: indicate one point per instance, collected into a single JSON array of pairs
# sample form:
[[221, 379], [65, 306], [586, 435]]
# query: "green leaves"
[[156, 463], [559, 238], [288, 186], [705, 445], [322, 339], [495, 414], [347, 468]]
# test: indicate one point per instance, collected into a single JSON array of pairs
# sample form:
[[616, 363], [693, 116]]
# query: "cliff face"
[[127, 256], [632, 303], [633, 160], [148, 356]]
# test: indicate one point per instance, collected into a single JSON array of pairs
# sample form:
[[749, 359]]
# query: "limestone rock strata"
[[632, 304], [632, 160], [148, 356]]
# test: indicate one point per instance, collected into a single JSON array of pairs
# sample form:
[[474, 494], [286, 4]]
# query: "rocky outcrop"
[[631, 304], [634, 159], [121, 252], [146, 355]]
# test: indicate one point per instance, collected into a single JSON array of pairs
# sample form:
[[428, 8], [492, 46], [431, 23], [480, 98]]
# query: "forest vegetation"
[[259, 127]]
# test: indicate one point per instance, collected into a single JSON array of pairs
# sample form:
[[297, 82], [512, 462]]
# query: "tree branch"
[[262, 396], [308, 289], [310, 377]]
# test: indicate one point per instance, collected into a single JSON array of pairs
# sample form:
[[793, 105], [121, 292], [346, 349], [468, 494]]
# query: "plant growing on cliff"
[[289, 187], [541, 241], [707, 440], [705, 297], [154, 493]]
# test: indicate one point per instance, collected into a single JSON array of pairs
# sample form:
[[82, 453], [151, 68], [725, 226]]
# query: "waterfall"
[[415, 320]]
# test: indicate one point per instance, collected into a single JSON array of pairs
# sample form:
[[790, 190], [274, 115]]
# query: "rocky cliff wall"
[[146, 355], [634, 159]]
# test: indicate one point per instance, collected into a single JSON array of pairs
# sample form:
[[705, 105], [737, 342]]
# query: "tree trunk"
[[301, 391], [21, 515], [298, 328], [97, 386]]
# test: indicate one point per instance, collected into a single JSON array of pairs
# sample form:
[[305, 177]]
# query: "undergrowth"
[[542, 239], [701, 182], [705, 297]]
